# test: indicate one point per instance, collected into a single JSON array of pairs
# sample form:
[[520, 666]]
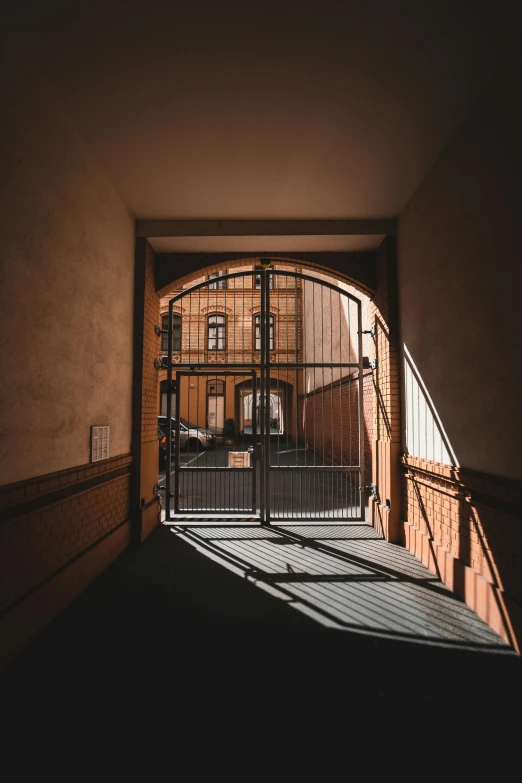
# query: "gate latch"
[[256, 451]]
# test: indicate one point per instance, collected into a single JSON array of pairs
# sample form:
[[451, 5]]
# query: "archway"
[[288, 347], [384, 505]]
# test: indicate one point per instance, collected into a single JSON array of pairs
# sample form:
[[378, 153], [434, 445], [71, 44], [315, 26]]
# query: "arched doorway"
[[285, 350]]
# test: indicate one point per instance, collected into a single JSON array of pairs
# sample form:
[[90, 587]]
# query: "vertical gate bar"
[[314, 371], [332, 399], [341, 433], [169, 414], [253, 458], [322, 374], [190, 331], [266, 423], [261, 396], [360, 409], [177, 444], [199, 481], [296, 381], [290, 512], [314, 442], [203, 338], [348, 390], [306, 399], [285, 512]]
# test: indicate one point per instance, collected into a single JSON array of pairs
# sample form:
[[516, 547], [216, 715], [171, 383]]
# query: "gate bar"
[[265, 328]]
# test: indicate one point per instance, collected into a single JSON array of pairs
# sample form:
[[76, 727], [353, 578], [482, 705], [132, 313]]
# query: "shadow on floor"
[[243, 673]]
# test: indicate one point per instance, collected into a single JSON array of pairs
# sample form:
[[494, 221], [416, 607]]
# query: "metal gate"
[[283, 351]]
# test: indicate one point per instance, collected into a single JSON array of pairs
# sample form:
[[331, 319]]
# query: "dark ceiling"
[[267, 109]]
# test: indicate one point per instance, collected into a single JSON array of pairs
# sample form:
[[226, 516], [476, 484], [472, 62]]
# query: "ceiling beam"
[[261, 228]]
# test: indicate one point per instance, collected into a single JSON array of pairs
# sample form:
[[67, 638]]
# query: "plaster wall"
[[460, 278], [66, 287]]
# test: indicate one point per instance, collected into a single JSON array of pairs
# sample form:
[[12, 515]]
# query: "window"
[[215, 386], [216, 332], [163, 403], [218, 283], [176, 333], [257, 333], [270, 280]]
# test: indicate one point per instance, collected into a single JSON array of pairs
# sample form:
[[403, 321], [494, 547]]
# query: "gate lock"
[[256, 451]]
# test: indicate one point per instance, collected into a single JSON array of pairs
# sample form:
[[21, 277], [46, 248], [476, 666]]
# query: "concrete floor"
[[295, 648]]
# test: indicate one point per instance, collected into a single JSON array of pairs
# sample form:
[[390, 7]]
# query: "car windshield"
[[188, 423]]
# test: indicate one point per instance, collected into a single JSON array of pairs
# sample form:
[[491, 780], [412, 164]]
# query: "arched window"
[[257, 333], [215, 386], [176, 333], [216, 332]]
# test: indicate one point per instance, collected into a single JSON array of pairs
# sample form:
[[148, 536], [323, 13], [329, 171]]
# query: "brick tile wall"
[[466, 527], [330, 416], [49, 521], [151, 351]]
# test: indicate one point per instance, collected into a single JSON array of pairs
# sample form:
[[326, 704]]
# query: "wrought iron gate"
[[283, 352]]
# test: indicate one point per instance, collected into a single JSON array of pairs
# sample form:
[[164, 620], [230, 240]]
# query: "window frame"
[[257, 319], [217, 283], [223, 326], [257, 280], [176, 324]]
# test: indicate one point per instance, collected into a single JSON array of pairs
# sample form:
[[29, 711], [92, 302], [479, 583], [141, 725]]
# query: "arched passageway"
[[298, 337]]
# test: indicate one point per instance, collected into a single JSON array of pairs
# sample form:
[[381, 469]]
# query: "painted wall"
[[66, 286], [460, 278]]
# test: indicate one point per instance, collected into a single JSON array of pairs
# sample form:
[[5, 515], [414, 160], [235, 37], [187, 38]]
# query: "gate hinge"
[[160, 331], [371, 490], [369, 363], [161, 364]]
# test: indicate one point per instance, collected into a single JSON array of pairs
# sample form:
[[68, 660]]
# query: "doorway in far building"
[[215, 405], [250, 407]]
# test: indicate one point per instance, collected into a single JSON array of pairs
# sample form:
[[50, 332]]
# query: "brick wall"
[[386, 507], [147, 348], [48, 525], [151, 351], [239, 303], [330, 416], [466, 527]]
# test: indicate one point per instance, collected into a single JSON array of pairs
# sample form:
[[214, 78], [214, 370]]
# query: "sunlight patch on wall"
[[425, 435]]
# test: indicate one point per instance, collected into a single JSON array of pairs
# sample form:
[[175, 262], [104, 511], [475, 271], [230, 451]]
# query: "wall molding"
[[496, 492], [27, 617], [27, 497], [499, 610], [346, 380]]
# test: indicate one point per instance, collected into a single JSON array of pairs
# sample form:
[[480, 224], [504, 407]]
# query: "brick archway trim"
[[355, 268]]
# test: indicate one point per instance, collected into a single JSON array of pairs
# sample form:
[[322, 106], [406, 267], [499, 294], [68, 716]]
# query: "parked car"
[[191, 437], [162, 449]]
